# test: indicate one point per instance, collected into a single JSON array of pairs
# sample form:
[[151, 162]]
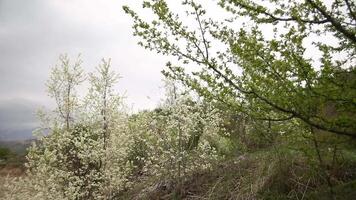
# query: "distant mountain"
[[15, 135], [17, 119], [19, 147]]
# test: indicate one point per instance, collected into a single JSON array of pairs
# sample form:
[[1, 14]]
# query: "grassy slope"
[[252, 176]]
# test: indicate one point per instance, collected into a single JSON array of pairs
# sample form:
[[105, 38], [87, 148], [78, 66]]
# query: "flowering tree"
[[183, 139], [104, 110], [61, 86], [82, 157], [178, 138], [67, 164], [92, 155]]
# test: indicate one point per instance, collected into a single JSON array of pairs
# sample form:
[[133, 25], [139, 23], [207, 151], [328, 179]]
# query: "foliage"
[[61, 86], [265, 120], [267, 76], [67, 164], [84, 154], [176, 139], [282, 72], [4, 153]]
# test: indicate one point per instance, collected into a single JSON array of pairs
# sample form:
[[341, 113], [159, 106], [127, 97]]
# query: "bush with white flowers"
[[176, 139], [94, 150]]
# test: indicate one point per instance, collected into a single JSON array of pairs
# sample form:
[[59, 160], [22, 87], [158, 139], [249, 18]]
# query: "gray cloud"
[[34, 33]]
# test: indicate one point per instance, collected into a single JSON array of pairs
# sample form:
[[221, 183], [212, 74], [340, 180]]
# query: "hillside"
[[256, 175], [17, 146]]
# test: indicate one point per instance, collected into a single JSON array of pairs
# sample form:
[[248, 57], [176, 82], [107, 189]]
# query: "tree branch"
[[337, 25], [352, 12]]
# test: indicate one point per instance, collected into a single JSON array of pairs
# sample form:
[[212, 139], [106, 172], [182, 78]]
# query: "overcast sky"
[[34, 33]]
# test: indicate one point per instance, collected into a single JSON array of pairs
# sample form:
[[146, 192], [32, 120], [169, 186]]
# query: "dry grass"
[[9, 171]]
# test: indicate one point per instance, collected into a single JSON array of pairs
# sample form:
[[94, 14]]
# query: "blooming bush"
[[176, 139], [94, 150]]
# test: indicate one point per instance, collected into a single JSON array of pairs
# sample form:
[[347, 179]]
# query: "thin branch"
[[202, 31], [349, 7], [276, 18], [276, 119], [337, 25]]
